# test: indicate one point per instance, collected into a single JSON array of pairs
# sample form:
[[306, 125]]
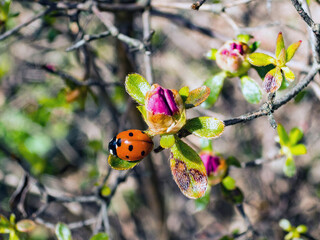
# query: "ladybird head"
[[113, 146]]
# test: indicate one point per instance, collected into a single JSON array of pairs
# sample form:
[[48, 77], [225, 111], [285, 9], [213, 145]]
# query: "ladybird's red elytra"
[[131, 145]]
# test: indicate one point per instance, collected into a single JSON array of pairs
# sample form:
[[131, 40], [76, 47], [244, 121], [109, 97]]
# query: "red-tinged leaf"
[[261, 59], [188, 170], [288, 74], [292, 50], [272, 80], [279, 44], [197, 96]]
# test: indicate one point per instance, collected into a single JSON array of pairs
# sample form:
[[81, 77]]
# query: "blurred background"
[[59, 109]]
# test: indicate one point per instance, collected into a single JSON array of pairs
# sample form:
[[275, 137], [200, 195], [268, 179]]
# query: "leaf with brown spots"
[[188, 170]]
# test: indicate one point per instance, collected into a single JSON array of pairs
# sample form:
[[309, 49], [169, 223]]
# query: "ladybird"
[[131, 145]]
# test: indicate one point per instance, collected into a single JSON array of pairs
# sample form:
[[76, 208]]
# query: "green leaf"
[[4, 224], [119, 164], [215, 84], [254, 46], [184, 93], [62, 232], [137, 87], [235, 196], [142, 110], [285, 224], [288, 74], [25, 225], [279, 44], [197, 96], [292, 50], [229, 183], [100, 236], [250, 90], [202, 203], [105, 191], [295, 135], [272, 80], [262, 71], [188, 170], [12, 219], [233, 161], [167, 141], [299, 149], [302, 228], [245, 38], [206, 127], [261, 59], [285, 84], [284, 138], [289, 167], [211, 55], [206, 144], [13, 235]]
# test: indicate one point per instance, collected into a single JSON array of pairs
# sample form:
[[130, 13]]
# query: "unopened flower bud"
[[232, 57], [164, 108], [216, 167]]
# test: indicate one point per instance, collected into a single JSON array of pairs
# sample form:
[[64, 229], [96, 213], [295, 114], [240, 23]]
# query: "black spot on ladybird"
[[130, 147], [143, 153], [127, 156], [119, 142], [130, 134]]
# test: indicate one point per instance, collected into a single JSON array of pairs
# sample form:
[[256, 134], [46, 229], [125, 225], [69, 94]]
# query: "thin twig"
[[17, 28], [86, 39]]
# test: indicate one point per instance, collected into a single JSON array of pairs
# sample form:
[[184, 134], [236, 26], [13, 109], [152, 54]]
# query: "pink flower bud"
[[232, 56], [216, 167], [164, 109]]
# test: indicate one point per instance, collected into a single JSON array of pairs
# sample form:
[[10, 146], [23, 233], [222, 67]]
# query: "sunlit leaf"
[[215, 84], [292, 50], [137, 87], [206, 144], [284, 138], [167, 141], [206, 127], [285, 224], [184, 93], [299, 149], [250, 90], [25, 225], [288, 74], [302, 228], [4, 224], [289, 167], [197, 96], [229, 183], [105, 191], [261, 59], [100, 236], [188, 170], [245, 38], [295, 135], [63, 232], [119, 164], [142, 110], [211, 55], [272, 80], [281, 58], [279, 44]]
